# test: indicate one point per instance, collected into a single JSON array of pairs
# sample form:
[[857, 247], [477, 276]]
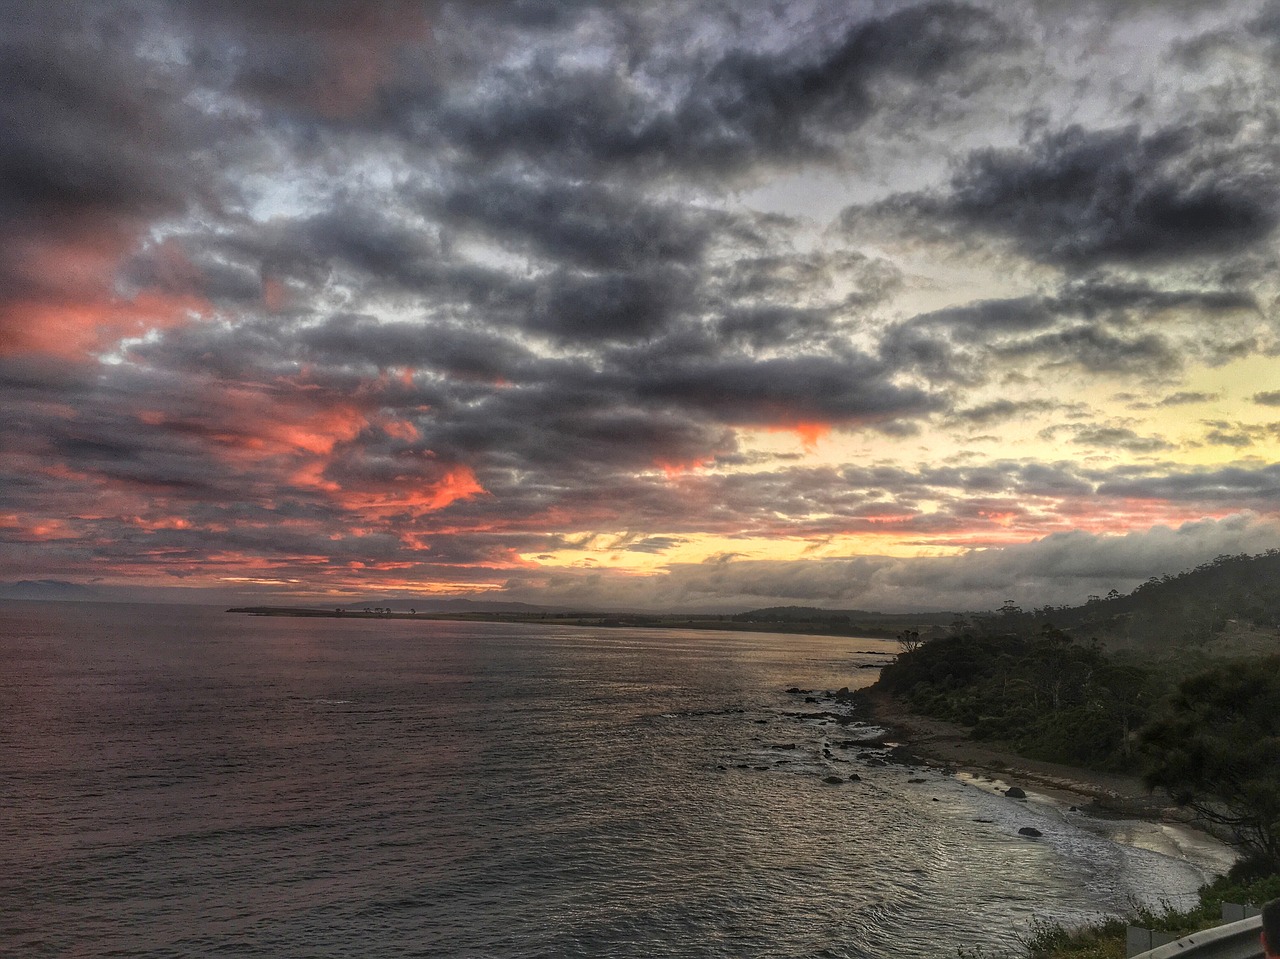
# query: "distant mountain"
[[1229, 606], [453, 606], [854, 617], [50, 590], [1233, 601]]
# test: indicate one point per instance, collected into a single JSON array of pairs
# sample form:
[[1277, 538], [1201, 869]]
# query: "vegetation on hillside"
[[1046, 696], [1210, 739], [1214, 744], [1187, 609]]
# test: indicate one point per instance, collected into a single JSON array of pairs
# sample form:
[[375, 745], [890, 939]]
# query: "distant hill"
[[1232, 601], [1228, 606], [853, 622], [49, 590], [452, 606]]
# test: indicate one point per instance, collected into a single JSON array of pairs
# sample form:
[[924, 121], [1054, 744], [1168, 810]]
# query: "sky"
[[660, 305]]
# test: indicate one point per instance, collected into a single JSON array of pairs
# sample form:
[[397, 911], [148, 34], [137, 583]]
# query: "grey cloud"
[[452, 349], [764, 326], [616, 305], [1118, 437], [1238, 435], [853, 389], [1000, 410], [87, 131], [745, 107], [1093, 301], [586, 225], [1082, 198], [1227, 437], [1267, 398], [1235, 484], [1099, 351], [654, 544], [1100, 325], [1186, 397]]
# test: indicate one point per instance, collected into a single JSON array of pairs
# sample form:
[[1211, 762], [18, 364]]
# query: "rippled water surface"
[[179, 781]]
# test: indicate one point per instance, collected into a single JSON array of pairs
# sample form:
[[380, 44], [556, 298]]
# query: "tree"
[[1216, 749], [909, 640]]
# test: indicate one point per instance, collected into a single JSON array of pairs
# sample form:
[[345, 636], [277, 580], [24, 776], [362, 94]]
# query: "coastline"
[[1117, 807], [943, 744]]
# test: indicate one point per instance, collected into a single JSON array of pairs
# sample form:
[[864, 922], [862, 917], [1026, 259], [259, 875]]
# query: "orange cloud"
[[674, 469], [809, 432], [401, 430], [68, 307], [457, 483]]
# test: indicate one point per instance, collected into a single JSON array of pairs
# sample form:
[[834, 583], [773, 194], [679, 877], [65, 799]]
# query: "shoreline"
[[938, 743], [1121, 807]]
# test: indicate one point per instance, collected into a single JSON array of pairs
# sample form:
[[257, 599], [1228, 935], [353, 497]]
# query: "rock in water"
[[1030, 831], [833, 780], [1014, 792]]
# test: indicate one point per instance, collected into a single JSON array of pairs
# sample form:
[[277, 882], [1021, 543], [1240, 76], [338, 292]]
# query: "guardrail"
[[1235, 940]]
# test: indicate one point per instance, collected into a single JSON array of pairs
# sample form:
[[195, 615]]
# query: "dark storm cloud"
[[1267, 398], [79, 127], [1083, 198], [453, 349], [320, 61], [585, 225], [617, 305], [785, 390], [741, 108]]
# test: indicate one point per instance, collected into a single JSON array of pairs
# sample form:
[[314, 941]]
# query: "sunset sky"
[[657, 304]]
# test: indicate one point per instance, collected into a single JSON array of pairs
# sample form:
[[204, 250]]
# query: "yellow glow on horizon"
[[597, 553]]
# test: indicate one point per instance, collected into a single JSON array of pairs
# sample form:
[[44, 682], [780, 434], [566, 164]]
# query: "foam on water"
[[180, 781]]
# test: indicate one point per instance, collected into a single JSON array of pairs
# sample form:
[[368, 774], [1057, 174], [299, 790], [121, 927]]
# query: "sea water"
[[180, 781]]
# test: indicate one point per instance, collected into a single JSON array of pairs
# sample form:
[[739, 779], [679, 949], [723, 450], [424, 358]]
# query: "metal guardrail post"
[[1234, 912], [1139, 941]]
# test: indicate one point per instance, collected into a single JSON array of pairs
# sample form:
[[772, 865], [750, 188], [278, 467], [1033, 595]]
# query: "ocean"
[[180, 781]]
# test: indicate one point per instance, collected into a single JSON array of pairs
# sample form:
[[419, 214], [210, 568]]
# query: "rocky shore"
[[944, 744]]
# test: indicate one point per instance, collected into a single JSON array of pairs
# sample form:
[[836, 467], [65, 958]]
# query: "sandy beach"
[[1116, 806], [941, 743]]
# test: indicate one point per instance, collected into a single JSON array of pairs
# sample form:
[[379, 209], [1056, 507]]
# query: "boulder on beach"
[[833, 781], [1015, 792]]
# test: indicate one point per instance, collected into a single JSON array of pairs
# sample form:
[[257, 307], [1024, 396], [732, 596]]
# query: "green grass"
[[1106, 939]]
